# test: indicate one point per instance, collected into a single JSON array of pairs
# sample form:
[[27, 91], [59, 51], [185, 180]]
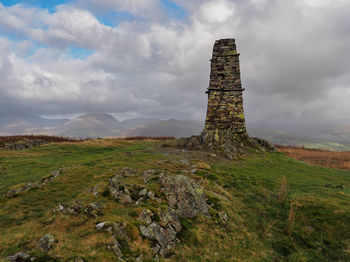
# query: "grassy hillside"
[[278, 209]]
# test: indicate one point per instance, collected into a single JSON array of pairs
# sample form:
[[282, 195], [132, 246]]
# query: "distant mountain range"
[[105, 125]]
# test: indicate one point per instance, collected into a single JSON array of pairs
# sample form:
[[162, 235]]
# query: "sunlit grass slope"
[[279, 209]]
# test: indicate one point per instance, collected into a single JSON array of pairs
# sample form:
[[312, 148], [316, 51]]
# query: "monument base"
[[226, 142]]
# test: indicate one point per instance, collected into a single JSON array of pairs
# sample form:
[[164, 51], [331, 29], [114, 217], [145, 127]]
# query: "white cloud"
[[294, 58], [217, 11]]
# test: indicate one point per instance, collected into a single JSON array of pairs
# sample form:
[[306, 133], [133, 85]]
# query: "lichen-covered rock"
[[155, 231], [146, 216], [170, 217], [20, 257], [46, 242], [184, 196]]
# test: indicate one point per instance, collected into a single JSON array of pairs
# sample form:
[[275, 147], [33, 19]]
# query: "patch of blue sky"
[[45, 4], [35, 47], [79, 52], [174, 10], [114, 18]]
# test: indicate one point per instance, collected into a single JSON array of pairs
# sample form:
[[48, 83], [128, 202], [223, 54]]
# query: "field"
[[330, 159], [278, 208]]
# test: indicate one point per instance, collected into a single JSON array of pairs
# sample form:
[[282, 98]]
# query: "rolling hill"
[[103, 199]]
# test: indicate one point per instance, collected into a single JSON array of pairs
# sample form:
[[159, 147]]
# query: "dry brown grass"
[[283, 189], [330, 159]]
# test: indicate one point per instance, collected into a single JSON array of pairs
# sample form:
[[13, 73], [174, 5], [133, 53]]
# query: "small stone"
[[143, 192], [45, 243], [185, 162], [100, 226], [194, 170], [149, 172], [224, 217]]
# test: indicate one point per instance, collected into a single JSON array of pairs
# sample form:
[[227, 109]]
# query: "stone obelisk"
[[225, 130], [225, 98]]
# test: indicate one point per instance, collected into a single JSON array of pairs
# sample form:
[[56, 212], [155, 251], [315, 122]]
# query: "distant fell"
[[90, 125], [172, 127]]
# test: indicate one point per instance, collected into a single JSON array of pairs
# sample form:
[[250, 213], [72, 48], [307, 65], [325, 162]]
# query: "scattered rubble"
[[128, 194], [20, 257], [14, 192], [77, 207], [334, 186], [93, 190]]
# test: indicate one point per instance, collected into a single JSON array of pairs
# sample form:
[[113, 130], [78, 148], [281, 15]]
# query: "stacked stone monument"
[[225, 130], [225, 98]]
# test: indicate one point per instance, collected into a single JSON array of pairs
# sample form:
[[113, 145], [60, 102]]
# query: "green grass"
[[310, 222]]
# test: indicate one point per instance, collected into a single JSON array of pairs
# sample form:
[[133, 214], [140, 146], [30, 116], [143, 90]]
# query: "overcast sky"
[[150, 58]]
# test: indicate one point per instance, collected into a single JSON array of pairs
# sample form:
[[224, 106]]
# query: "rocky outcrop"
[[184, 196], [186, 199]]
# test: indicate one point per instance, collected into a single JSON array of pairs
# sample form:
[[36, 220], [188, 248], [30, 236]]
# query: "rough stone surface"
[[20, 257], [184, 196], [170, 217], [46, 242], [225, 130], [225, 99], [155, 231], [146, 216]]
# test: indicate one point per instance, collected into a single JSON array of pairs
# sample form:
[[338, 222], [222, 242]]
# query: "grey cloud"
[[294, 60]]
